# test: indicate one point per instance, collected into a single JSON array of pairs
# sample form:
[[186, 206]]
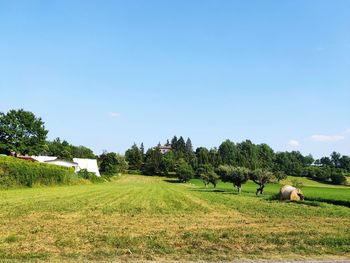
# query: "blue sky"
[[106, 74]]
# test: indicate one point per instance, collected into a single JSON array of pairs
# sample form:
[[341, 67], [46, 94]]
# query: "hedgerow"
[[17, 172]]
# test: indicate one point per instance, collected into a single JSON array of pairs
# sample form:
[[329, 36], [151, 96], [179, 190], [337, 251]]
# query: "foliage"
[[85, 174], [153, 160], [184, 172], [261, 177], [21, 132], [338, 177], [134, 157], [64, 150], [235, 175], [207, 174], [17, 172], [112, 163]]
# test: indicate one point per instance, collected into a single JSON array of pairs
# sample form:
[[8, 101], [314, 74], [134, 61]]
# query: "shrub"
[[16, 172], [338, 177], [84, 174]]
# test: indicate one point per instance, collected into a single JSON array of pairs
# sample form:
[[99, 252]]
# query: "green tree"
[[228, 152], [112, 163], [214, 157], [60, 149], [261, 177], [207, 174], [338, 176], [184, 172], [21, 132], [235, 175], [134, 157], [82, 152], [153, 159], [181, 145], [189, 147], [202, 155], [167, 163], [335, 158]]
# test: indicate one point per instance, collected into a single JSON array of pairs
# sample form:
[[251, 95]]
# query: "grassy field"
[[151, 218]]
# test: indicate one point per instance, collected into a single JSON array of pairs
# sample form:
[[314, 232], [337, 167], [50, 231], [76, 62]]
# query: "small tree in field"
[[261, 177], [207, 174], [235, 175], [184, 172]]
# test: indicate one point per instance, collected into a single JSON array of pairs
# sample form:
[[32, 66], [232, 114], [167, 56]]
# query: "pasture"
[[153, 218]]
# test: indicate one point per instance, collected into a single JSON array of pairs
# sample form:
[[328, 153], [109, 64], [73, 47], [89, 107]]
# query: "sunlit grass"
[[147, 218]]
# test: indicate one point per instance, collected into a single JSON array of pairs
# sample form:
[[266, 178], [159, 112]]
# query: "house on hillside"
[[89, 164], [164, 148]]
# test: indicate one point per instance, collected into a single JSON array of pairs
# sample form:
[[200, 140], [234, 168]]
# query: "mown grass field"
[[151, 218]]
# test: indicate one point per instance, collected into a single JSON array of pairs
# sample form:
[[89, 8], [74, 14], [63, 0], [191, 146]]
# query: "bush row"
[[17, 172]]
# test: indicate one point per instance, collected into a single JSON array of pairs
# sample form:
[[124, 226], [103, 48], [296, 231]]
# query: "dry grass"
[[146, 218]]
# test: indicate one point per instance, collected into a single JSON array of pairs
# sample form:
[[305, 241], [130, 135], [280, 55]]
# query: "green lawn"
[[151, 218]]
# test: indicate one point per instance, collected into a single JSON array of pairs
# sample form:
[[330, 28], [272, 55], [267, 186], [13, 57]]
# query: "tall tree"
[[21, 132], [181, 145], [153, 160], [214, 157], [188, 146], [134, 157], [335, 158], [228, 152], [202, 154], [174, 143], [112, 163]]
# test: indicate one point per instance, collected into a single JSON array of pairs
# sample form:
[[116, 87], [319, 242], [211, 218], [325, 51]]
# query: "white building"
[[78, 163], [89, 164], [64, 163]]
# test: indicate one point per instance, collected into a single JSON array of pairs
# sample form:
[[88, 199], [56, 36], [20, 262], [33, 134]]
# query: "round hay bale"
[[291, 193]]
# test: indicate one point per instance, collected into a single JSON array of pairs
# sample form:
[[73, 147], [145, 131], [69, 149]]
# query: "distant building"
[[164, 148]]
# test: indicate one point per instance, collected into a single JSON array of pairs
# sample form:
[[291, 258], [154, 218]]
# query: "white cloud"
[[293, 143], [327, 138], [114, 114]]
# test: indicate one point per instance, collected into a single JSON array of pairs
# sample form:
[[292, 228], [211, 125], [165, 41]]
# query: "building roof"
[[44, 158]]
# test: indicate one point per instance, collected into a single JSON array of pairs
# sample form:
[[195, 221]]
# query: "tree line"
[[22, 132], [245, 158]]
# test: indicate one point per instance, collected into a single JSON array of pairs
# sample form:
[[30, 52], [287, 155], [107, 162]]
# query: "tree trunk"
[[260, 190]]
